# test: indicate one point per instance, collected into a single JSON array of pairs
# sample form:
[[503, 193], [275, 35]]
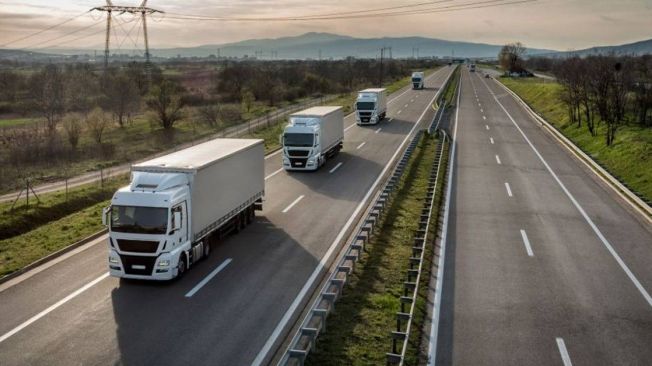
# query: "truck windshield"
[[139, 220], [298, 139], [365, 106], [416, 80]]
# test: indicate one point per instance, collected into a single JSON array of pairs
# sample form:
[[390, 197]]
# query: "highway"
[[236, 307], [544, 264]]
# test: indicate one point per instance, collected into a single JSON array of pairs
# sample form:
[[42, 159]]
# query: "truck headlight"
[[311, 161], [114, 260], [164, 263]]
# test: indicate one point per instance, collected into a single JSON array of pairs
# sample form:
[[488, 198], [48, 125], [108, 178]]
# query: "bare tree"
[[164, 101], [511, 57], [47, 91], [248, 99], [98, 121], [123, 97], [209, 114], [72, 124]]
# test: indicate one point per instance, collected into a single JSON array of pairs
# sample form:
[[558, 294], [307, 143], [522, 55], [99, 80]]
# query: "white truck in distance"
[[371, 106], [165, 219], [312, 136], [418, 80], [472, 68]]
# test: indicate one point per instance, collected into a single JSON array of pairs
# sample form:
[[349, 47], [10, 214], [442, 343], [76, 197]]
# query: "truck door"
[[181, 236]]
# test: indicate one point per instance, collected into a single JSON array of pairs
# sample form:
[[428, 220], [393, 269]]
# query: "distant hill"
[[336, 46], [636, 48], [19, 55]]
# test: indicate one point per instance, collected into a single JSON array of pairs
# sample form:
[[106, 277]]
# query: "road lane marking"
[[262, 354], [210, 276], [492, 140], [579, 208], [378, 130], [484, 118], [391, 119], [509, 189], [350, 127], [293, 203], [526, 242], [479, 105], [565, 357], [53, 307], [361, 145], [412, 100], [498, 160], [481, 110], [399, 112], [274, 173], [405, 106], [335, 168], [487, 127], [434, 324]]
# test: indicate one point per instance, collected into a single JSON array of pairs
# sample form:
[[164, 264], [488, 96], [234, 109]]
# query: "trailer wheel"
[[181, 266], [207, 248], [252, 214]]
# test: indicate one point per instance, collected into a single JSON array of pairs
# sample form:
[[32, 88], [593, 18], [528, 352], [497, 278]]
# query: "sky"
[[551, 24]]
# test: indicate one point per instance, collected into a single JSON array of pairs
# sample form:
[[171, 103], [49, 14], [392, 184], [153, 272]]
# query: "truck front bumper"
[[142, 267]]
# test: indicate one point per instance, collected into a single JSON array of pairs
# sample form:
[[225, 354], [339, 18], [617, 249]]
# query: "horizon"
[[594, 23]]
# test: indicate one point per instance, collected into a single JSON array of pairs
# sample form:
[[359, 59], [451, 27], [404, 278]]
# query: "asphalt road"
[[68, 311], [544, 264]]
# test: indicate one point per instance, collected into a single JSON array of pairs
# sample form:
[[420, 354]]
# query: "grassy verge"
[[451, 88], [629, 159], [358, 330]]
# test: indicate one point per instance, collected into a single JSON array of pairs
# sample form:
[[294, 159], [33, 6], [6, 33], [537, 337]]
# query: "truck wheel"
[[181, 267], [207, 249]]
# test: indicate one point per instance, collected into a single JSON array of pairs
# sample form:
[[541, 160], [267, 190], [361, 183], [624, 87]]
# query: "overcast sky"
[[553, 24]]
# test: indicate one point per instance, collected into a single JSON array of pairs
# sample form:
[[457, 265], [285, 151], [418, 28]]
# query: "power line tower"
[[143, 10]]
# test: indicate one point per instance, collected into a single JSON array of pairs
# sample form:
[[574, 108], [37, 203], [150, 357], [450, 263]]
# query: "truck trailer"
[[312, 136], [164, 221], [371, 106], [418, 80]]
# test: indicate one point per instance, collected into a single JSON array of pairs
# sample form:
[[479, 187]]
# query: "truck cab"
[[418, 80], [370, 106], [149, 227], [301, 144]]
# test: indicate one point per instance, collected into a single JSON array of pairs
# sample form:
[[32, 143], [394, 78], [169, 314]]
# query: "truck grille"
[[137, 246], [298, 152], [364, 116], [298, 162], [136, 265]]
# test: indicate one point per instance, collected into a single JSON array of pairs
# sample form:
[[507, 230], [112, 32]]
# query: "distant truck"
[[163, 222], [371, 106], [472, 67], [312, 136], [418, 80]]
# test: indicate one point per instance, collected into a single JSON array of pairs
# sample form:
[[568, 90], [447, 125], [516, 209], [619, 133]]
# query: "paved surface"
[[553, 269], [46, 320]]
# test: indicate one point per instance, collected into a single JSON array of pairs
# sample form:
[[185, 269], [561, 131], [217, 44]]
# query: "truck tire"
[[181, 266], [207, 249]]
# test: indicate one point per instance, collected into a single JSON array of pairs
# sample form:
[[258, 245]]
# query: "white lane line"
[[479, 105], [434, 325], [405, 106], [210, 276], [52, 307], [361, 145], [335, 168], [274, 173], [487, 127], [378, 130], [350, 127], [262, 354], [509, 189], [481, 110], [274, 153], [577, 205], [412, 100], [390, 120], [565, 357], [484, 118], [526, 242], [399, 112], [492, 140], [498, 160], [293, 203]]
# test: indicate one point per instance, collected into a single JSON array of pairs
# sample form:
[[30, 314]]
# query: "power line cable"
[[45, 29]]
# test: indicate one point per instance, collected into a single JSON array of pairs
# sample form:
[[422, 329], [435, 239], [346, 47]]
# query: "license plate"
[[137, 266]]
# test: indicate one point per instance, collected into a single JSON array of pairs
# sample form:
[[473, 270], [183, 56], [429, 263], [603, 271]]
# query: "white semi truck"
[[371, 106], [418, 80], [165, 219], [312, 136]]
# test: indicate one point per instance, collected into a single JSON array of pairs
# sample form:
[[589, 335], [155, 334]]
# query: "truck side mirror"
[[176, 224], [280, 139], [106, 211]]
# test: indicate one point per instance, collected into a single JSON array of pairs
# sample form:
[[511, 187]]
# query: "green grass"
[[629, 159], [16, 122], [358, 330], [451, 89]]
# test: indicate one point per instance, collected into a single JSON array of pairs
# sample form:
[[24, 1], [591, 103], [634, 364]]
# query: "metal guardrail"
[[315, 322], [404, 318]]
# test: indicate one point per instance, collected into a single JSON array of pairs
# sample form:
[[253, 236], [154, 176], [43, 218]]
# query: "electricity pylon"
[[109, 8]]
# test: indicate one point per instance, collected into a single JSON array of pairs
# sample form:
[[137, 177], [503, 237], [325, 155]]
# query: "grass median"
[[630, 157], [358, 330]]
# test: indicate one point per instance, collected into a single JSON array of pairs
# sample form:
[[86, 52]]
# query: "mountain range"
[[327, 45]]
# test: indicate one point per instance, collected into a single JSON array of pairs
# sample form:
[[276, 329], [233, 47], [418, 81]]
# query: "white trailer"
[[418, 80], [371, 106], [312, 136], [165, 219]]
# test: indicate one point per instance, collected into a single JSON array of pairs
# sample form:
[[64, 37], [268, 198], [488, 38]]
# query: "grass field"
[[358, 330], [629, 159]]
